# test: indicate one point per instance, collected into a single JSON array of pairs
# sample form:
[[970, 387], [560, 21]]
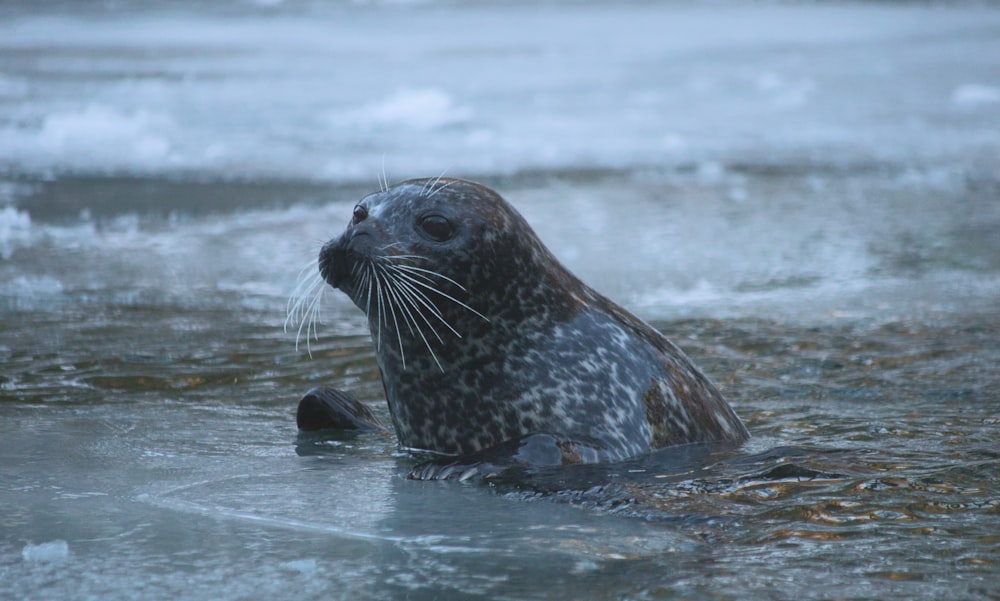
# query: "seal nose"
[[333, 263]]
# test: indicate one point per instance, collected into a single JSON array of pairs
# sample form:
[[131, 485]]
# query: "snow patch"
[[94, 136], [56, 550], [15, 231], [421, 109], [974, 94]]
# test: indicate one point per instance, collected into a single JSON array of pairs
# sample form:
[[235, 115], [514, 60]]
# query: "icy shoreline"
[[334, 94]]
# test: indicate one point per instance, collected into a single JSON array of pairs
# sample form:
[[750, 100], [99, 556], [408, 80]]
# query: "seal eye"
[[437, 228], [360, 214]]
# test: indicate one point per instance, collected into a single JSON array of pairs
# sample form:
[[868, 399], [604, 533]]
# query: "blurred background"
[[675, 153]]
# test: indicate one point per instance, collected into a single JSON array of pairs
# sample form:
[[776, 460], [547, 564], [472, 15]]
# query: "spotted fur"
[[509, 343]]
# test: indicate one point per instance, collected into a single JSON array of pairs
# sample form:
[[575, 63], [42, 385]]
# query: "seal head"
[[485, 341]]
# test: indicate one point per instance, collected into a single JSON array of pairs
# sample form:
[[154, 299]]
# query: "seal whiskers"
[[304, 305], [542, 369], [429, 286], [401, 293], [394, 300], [417, 295], [399, 297], [379, 304], [432, 191], [383, 178]]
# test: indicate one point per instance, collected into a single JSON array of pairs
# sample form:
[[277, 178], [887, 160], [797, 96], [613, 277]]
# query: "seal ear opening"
[[332, 409]]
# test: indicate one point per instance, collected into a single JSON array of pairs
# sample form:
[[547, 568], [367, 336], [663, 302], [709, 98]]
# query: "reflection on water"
[[148, 395], [158, 441]]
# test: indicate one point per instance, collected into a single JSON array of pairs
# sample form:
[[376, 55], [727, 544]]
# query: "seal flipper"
[[533, 450], [329, 408]]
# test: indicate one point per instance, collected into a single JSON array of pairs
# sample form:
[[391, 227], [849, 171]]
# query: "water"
[[805, 198]]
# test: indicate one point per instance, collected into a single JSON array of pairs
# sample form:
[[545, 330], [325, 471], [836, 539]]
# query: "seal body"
[[484, 339]]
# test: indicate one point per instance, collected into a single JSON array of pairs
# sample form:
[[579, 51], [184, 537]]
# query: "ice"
[[166, 169], [15, 230], [782, 142], [56, 550], [33, 287], [12, 88], [302, 566], [325, 92], [97, 138], [421, 109], [973, 95]]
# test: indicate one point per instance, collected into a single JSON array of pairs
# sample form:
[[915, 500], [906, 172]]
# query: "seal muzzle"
[[333, 263]]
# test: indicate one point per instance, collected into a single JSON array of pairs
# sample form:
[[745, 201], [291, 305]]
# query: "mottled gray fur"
[[484, 337]]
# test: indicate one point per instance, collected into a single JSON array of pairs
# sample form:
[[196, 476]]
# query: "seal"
[[492, 354]]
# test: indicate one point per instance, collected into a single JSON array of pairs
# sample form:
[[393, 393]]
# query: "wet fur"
[[485, 341]]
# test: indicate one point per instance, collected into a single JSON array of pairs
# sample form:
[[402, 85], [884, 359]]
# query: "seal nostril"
[[333, 264]]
